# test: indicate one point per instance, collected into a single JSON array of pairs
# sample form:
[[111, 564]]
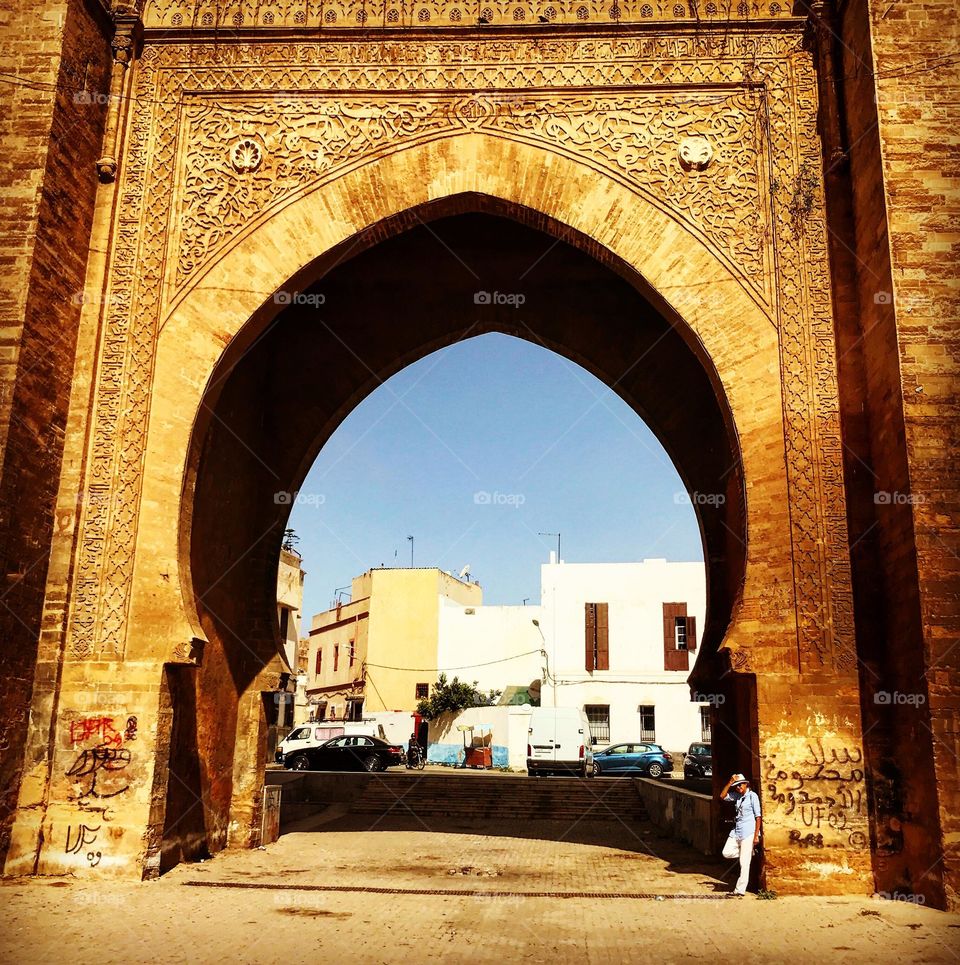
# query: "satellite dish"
[[534, 688], [465, 572]]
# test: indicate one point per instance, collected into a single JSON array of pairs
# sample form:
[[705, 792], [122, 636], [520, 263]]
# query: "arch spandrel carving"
[[636, 137]]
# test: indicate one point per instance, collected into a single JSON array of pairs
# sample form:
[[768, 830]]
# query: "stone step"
[[484, 798]]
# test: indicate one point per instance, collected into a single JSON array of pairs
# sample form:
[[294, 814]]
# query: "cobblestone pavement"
[[271, 905]]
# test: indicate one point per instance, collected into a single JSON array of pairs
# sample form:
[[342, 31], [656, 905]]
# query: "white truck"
[[315, 733], [559, 742]]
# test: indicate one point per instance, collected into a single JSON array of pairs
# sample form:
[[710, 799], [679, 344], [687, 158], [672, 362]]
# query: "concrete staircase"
[[465, 798]]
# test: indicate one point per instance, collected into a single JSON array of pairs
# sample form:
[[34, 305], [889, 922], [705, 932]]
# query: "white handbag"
[[731, 847]]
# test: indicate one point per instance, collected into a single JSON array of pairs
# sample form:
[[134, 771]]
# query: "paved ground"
[[273, 905]]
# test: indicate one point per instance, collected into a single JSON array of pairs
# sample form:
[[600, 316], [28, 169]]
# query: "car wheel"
[[299, 763], [372, 763], [655, 770], [596, 769]]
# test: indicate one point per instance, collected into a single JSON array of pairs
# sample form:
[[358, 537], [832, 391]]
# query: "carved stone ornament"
[[695, 153], [246, 155]]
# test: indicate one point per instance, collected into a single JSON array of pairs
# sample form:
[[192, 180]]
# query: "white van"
[[559, 741], [314, 734]]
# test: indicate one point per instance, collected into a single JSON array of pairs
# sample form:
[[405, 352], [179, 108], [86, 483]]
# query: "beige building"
[[290, 577], [291, 704], [359, 650]]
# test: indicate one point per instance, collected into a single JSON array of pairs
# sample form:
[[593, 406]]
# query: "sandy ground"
[[273, 905]]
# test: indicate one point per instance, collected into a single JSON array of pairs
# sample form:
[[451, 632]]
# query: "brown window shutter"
[[691, 633], [590, 633], [673, 659], [603, 637], [669, 641]]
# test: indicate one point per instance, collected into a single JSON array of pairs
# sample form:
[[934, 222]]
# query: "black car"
[[698, 764], [346, 753]]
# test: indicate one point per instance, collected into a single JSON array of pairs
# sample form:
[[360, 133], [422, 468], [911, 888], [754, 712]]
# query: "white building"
[[621, 639], [503, 644]]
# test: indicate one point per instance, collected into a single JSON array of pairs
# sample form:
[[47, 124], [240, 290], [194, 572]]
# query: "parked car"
[[346, 753], [559, 742], [632, 759], [319, 732], [698, 764]]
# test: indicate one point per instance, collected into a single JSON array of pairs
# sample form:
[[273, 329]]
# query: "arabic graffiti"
[[97, 772], [91, 761], [77, 841], [823, 794]]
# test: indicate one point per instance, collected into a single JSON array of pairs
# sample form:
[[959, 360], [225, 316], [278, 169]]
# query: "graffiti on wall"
[[98, 772], [823, 795]]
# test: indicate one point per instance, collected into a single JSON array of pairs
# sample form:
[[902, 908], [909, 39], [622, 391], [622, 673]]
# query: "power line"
[[468, 666]]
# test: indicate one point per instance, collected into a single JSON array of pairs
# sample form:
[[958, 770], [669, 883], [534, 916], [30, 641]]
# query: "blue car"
[[635, 760]]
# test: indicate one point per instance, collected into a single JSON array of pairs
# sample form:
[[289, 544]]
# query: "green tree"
[[454, 696]]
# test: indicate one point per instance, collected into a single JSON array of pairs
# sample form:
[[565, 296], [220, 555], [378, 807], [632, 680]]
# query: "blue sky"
[[473, 451]]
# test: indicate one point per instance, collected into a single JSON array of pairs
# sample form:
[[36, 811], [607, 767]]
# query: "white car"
[[315, 733]]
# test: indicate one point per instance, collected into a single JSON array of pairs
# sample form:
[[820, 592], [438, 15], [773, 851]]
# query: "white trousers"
[[746, 855]]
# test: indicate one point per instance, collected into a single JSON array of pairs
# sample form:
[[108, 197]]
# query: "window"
[[596, 636], [300, 734], [350, 645], [336, 656], [319, 661], [355, 709], [322, 710], [284, 622], [423, 691], [648, 724], [680, 631], [599, 717], [706, 733], [679, 636]]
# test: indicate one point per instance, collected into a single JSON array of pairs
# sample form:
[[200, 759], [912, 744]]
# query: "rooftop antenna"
[[464, 574], [558, 542], [411, 551]]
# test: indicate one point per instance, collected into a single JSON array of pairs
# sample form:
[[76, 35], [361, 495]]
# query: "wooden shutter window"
[[673, 659], [590, 634], [603, 636], [691, 633]]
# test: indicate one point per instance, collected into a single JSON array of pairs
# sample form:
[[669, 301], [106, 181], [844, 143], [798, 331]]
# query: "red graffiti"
[[100, 729]]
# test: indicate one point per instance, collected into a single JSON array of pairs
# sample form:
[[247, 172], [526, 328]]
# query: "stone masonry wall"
[[898, 355], [918, 89], [52, 135]]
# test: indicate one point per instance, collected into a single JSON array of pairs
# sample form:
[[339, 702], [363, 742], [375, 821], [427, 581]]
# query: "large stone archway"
[[679, 170]]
